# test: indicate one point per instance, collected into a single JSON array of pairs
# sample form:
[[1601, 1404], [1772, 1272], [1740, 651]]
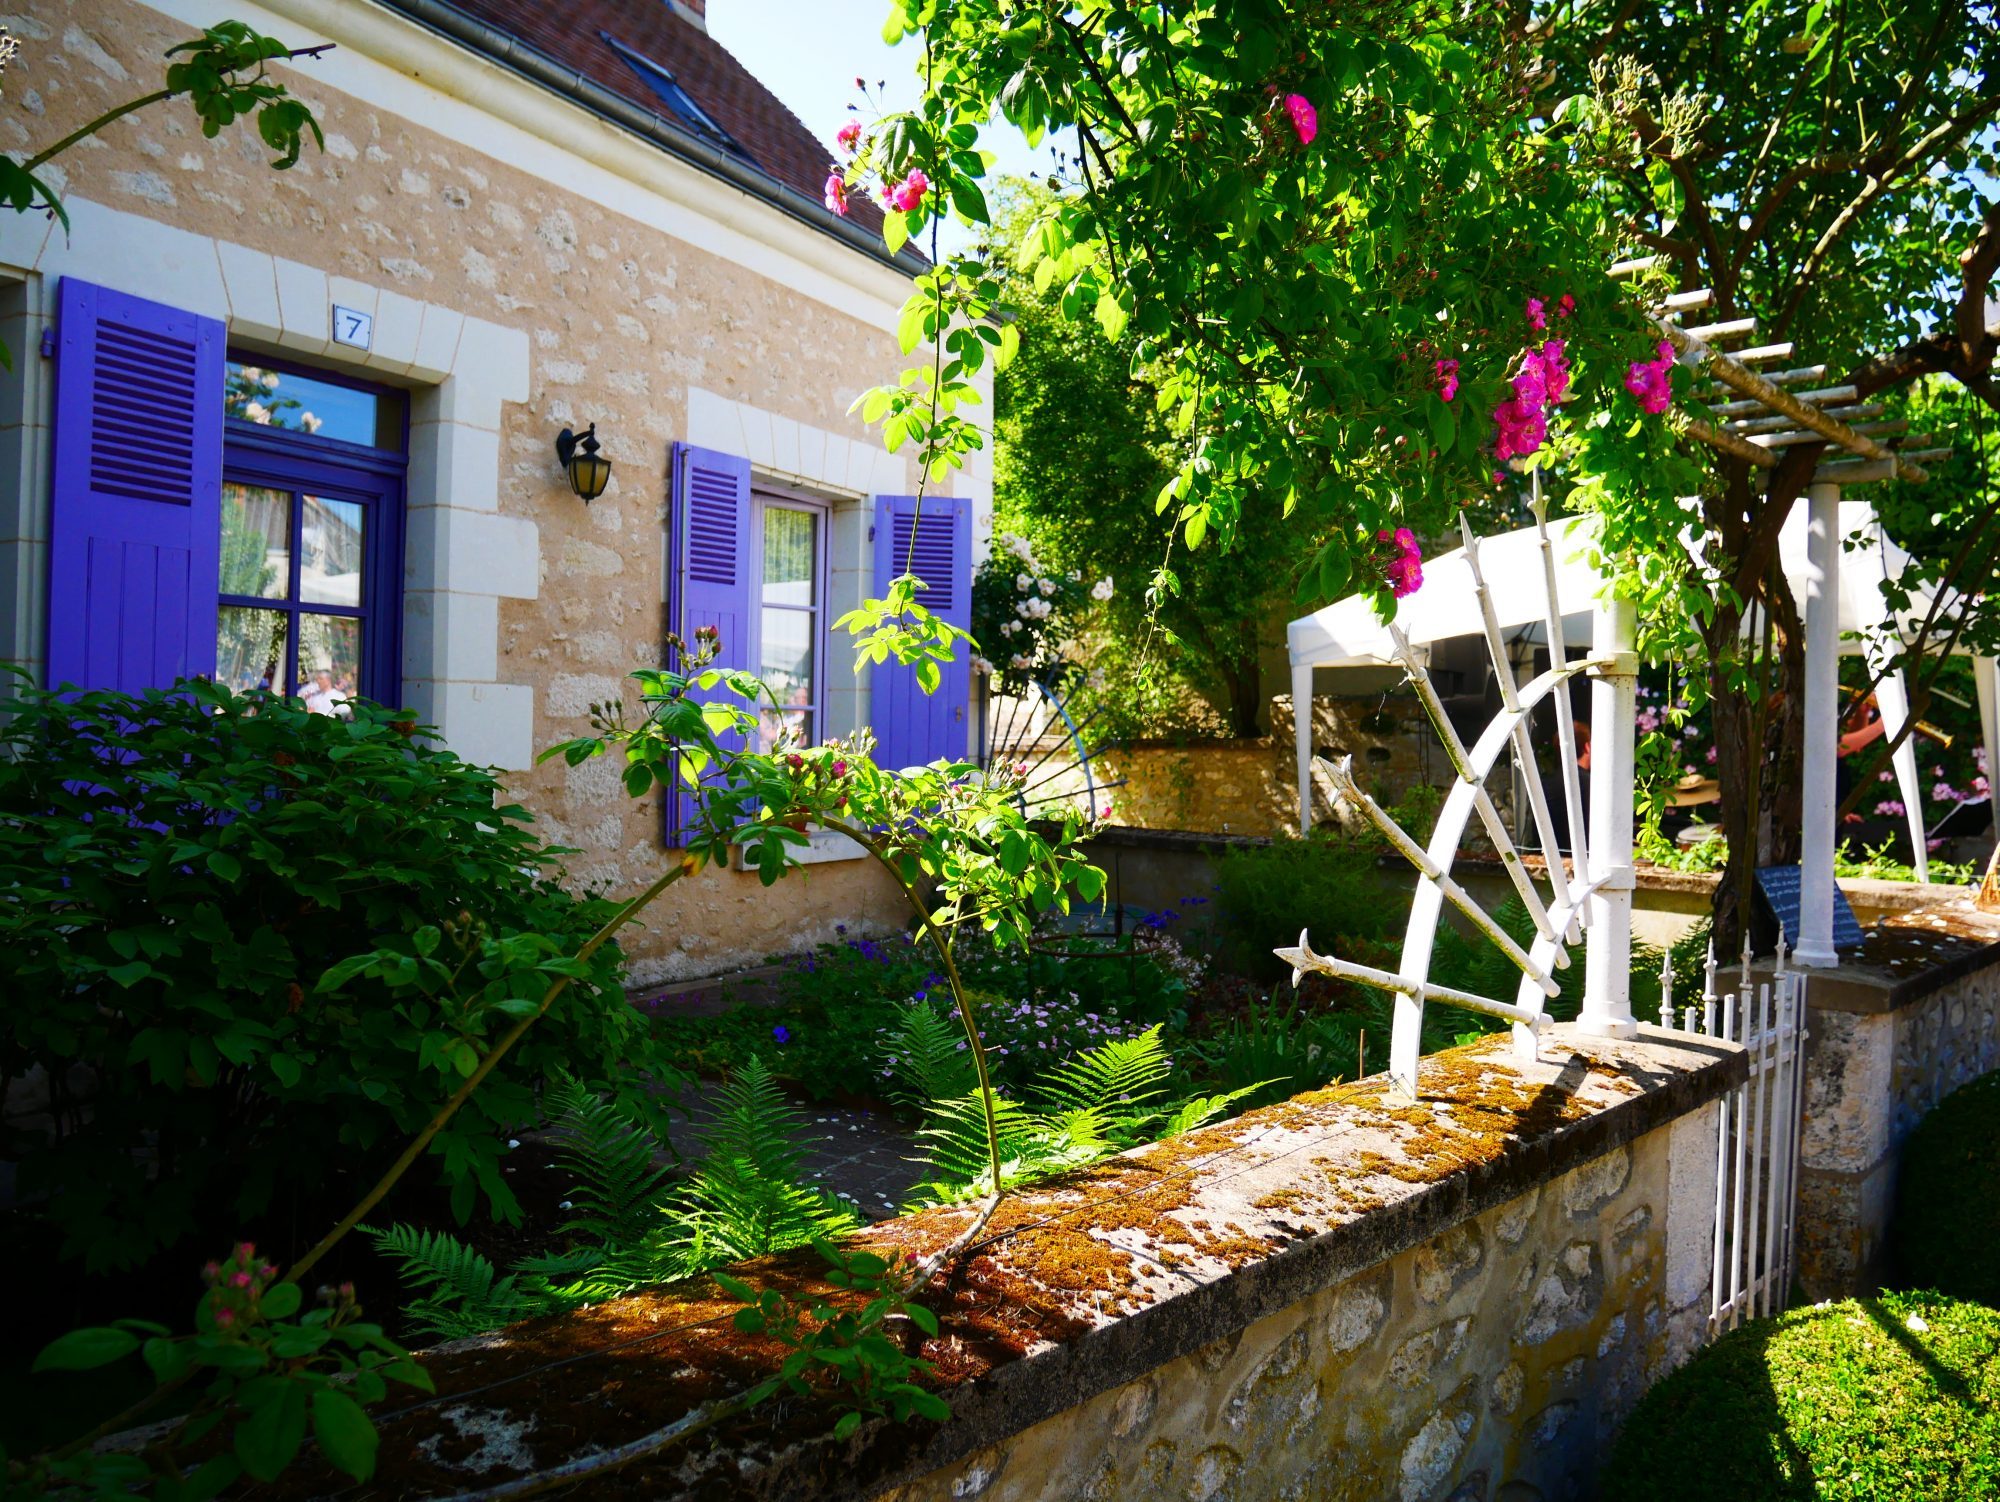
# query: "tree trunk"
[[1242, 672]]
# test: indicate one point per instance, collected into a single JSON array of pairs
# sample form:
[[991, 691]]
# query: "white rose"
[[1008, 628], [1026, 609], [1022, 583], [981, 665], [1021, 660], [1046, 586], [257, 412], [1101, 590], [1045, 611]]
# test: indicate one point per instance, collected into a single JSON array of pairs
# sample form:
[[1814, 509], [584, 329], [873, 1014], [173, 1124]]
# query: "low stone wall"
[[1340, 1296], [1251, 787], [1901, 1024]]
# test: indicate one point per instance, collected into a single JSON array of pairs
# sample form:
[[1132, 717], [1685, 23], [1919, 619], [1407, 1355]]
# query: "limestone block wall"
[[1888, 1039], [1493, 1361], [512, 248], [1346, 1295]]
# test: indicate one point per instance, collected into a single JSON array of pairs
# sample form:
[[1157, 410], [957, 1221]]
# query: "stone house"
[[300, 427]]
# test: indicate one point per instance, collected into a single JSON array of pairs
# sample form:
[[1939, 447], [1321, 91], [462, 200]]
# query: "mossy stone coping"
[[1081, 1284]]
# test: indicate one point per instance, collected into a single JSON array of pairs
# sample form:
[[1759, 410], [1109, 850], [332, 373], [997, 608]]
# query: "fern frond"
[[1199, 1110], [953, 1139], [464, 1294], [927, 1052], [619, 1176], [1115, 1083]]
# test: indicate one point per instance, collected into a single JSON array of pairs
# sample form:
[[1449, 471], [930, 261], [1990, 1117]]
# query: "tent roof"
[[1348, 633]]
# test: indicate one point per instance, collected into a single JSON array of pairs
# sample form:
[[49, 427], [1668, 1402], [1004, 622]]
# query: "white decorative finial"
[[1667, 989], [1301, 959], [1746, 955]]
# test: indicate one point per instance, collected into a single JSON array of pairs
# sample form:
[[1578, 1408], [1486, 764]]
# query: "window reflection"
[[330, 551], [329, 663], [788, 624], [302, 404], [256, 541], [250, 647]]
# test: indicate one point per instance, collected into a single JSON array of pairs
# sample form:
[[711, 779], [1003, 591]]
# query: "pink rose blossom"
[[1305, 119], [836, 193], [1447, 379], [909, 193], [1565, 305], [848, 136], [1652, 380], [1537, 319], [225, 1317]]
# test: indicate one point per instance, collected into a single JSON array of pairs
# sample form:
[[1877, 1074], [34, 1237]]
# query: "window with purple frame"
[[311, 535]]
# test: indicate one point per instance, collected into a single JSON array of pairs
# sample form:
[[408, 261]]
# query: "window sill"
[[822, 847]]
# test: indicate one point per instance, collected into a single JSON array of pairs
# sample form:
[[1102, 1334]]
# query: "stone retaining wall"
[[1893, 1031], [1342, 1296]]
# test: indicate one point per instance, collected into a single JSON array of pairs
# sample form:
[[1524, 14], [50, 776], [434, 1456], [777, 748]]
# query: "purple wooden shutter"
[[135, 523], [912, 727], [710, 535]]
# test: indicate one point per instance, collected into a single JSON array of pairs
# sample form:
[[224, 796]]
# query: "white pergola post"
[[1607, 974], [1818, 800], [1302, 735]]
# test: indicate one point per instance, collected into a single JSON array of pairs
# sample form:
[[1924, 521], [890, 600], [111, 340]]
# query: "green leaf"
[[344, 1432], [225, 865], [280, 1301], [82, 1350], [895, 232], [271, 1436]]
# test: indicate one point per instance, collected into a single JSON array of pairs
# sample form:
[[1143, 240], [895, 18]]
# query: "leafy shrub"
[[1327, 882], [1891, 1399], [246, 946], [1279, 1048], [1946, 1234]]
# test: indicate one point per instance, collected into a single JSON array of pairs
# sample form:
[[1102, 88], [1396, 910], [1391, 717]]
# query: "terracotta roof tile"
[[579, 34]]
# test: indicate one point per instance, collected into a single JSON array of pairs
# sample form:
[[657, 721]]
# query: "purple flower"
[[782, 1033]]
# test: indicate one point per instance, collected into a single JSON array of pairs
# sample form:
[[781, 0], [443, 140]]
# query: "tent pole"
[[1819, 801], [1302, 735], [1986, 677]]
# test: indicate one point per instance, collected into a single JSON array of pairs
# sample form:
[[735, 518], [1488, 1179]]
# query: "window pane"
[[330, 551], [788, 556], [770, 723], [787, 657], [301, 404], [249, 647], [329, 662], [256, 541]]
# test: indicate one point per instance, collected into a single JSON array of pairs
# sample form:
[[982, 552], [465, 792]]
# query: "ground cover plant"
[[1946, 1232], [1889, 1399]]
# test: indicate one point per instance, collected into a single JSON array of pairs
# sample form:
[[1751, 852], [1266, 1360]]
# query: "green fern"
[[1105, 1093], [747, 1196], [465, 1295], [927, 1052], [620, 1179]]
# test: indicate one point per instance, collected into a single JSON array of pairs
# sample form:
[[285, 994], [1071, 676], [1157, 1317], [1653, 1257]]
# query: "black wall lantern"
[[588, 470]]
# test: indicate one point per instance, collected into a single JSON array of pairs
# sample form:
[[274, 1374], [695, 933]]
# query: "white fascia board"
[[395, 65]]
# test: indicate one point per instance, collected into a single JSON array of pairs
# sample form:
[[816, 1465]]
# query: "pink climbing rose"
[[1447, 379], [836, 193], [1565, 306], [1555, 368], [909, 193], [848, 136], [1305, 119], [1404, 569], [1652, 380], [1537, 319]]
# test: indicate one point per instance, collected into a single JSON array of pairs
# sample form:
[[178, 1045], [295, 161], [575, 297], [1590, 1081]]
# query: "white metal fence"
[[1757, 1149]]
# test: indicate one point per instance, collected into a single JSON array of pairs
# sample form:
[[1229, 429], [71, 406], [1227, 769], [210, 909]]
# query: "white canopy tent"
[[1349, 634]]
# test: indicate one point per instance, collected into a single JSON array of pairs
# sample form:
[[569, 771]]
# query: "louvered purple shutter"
[[134, 528], [912, 727], [710, 536]]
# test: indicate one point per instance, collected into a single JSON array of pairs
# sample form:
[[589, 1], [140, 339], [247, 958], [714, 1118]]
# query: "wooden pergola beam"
[[1747, 382]]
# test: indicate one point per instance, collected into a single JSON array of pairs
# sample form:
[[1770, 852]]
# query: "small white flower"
[[1101, 590], [1008, 628], [1026, 609], [981, 665], [1046, 586], [1022, 583], [1021, 660], [256, 412]]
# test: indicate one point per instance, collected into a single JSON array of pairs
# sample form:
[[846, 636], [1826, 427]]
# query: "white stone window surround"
[[461, 557]]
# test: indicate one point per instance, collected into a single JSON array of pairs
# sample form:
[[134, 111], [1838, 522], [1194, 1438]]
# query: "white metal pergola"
[[1349, 634]]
